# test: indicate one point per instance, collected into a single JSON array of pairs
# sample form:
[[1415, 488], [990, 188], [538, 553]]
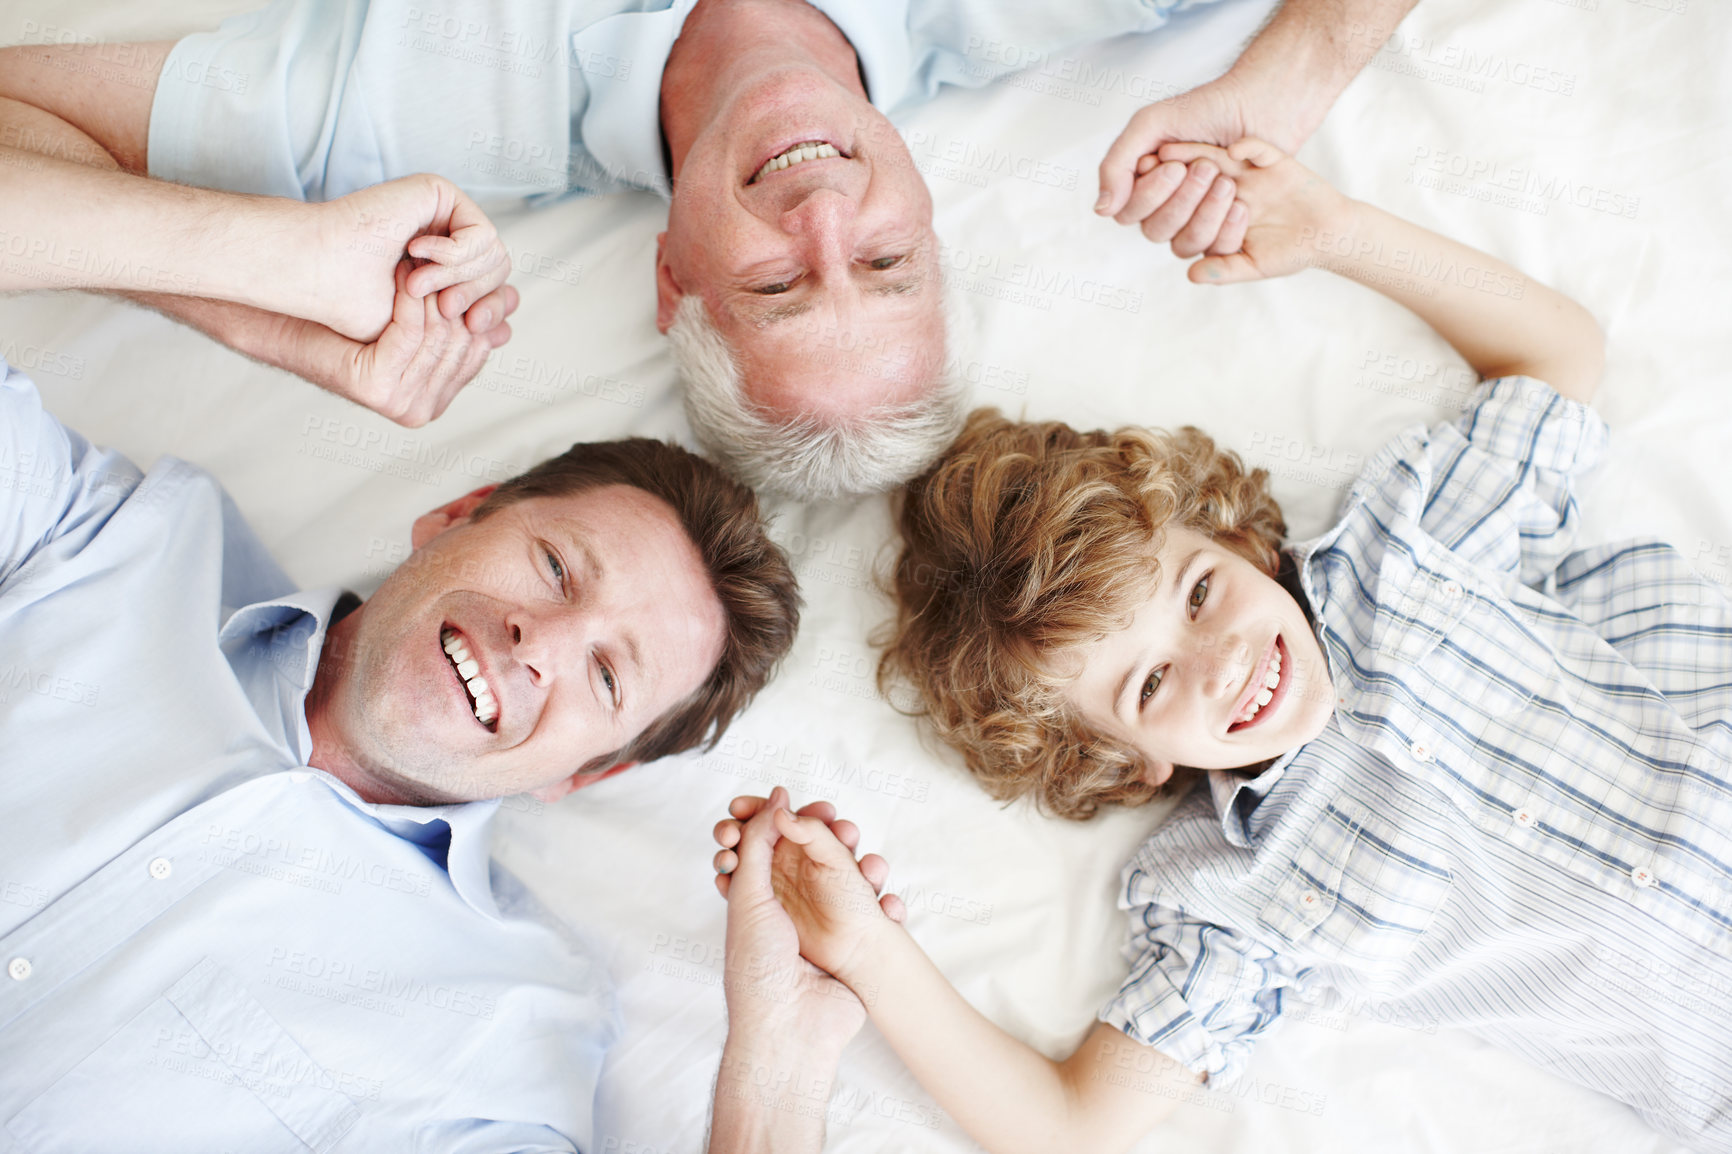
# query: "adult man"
[[247, 893], [786, 179]]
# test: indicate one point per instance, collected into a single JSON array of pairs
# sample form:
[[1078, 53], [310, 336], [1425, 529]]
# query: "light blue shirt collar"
[[273, 647], [622, 126]]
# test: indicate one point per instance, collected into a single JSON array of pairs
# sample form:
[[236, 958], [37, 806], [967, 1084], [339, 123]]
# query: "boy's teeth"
[[810, 150]]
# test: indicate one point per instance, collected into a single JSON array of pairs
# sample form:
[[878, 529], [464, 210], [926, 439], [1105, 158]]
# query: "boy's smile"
[[1216, 669]]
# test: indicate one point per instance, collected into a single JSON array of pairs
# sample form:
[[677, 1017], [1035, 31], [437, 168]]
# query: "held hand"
[[1287, 208], [826, 895], [774, 995], [417, 365], [1189, 205], [454, 251], [875, 869]]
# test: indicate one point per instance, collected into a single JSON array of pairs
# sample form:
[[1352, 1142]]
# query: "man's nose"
[[548, 643], [823, 219]]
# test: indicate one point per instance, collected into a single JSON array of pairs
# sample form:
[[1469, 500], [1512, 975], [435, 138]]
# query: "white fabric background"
[[1611, 119]]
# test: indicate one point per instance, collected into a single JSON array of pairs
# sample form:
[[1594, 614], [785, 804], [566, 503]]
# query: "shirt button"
[[160, 868], [1642, 876], [1420, 751], [1526, 817], [18, 968]]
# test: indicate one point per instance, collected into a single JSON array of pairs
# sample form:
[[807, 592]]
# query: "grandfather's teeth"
[[468, 667], [1272, 679], [1264, 696]]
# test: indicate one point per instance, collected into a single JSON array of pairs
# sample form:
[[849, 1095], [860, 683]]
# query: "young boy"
[[1454, 765]]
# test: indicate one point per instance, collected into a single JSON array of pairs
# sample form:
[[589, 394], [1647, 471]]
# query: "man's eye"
[[1199, 594], [773, 290], [1149, 686], [886, 262], [607, 680], [556, 567]]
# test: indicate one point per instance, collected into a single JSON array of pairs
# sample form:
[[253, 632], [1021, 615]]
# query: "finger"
[[757, 845], [746, 806], [1150, 192], [1146, 163], [1187, 151], [1254, 151], [847, 833], [1165, 222], [725, 861], [727, 833], [497, 335], [822, 810], [1234, 269], [1143, 134], [815, 838], [722, 881], [1205, 224], [876, 870], [893, 908], [491, 309], [1232, 234]]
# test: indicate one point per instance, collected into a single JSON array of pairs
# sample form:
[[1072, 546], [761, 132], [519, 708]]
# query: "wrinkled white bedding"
[[1587, 141]]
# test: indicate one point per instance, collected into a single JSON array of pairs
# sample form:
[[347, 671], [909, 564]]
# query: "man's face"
[[1216, 670], [587, 617], [822, 275]]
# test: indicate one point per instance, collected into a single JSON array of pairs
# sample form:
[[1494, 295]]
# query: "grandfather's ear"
[[668, 290], [577, 781], [429, 525]]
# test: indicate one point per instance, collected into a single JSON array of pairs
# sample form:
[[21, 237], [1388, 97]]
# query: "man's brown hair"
[[1028, 539], [748, 572]]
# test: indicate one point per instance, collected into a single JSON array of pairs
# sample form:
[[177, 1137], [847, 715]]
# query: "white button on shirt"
[[18, 969]]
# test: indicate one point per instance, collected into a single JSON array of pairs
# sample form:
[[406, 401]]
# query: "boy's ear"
[[1156, 772], [429, 525], [552, 793]]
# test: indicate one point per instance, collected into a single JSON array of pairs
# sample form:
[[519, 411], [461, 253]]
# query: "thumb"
[[814, 836], [1236, 268]]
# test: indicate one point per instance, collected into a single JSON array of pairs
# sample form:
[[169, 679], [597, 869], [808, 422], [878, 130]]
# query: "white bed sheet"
[[1587, 141]]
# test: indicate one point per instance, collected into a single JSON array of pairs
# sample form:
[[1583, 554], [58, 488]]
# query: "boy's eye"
[[1149, 686], [1199, 594]]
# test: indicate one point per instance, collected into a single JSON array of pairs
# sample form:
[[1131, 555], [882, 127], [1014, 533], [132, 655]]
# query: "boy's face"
[[1188, 681]]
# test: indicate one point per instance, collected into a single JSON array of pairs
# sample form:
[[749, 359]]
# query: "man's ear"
[[429, 525], [577, 781], [668, 290]]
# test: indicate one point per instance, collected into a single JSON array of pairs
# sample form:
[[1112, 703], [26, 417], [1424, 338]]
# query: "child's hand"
[[1288, 206], [833, 905]]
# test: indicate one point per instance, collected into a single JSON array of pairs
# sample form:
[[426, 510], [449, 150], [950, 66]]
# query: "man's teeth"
[[469, 669], [1271, 680], [810, 150]]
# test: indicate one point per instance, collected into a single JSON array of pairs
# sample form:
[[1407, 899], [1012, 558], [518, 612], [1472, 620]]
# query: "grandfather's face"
[[507, 653], [800, 218]]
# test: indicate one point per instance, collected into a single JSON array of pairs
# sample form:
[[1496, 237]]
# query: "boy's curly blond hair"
[[1025, 540]]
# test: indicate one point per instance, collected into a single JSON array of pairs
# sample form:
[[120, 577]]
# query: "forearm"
[[1009, 1097], [1305, 56], [1500, 320], [772, 1093]]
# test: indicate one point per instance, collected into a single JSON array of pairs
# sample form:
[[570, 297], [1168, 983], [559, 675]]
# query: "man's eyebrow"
[[902, 288]]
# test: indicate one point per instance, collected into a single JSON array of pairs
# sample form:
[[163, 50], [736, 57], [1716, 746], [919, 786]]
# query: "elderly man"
[[798, 277], [246, 899]]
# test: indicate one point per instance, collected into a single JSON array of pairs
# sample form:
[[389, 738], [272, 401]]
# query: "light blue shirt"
[[1519, 819], [207, 944], [313, 99]]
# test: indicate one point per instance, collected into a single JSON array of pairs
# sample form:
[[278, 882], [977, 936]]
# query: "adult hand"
[[415, 367], [454, 251], [1193, 205]]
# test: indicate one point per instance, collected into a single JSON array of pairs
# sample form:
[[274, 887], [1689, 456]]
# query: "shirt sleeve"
[[1497, 486], [51, 479], [1200, 993]]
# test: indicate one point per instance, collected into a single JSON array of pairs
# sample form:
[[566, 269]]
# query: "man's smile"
[[483, 700]]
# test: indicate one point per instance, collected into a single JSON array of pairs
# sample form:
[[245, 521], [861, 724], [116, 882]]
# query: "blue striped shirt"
[[1518, 820]]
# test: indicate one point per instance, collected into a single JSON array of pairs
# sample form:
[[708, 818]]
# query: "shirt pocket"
[[206, 1056], [1355, 892]]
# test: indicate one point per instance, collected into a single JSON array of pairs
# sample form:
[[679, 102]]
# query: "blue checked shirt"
[[207, 945], [1518, 820]]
